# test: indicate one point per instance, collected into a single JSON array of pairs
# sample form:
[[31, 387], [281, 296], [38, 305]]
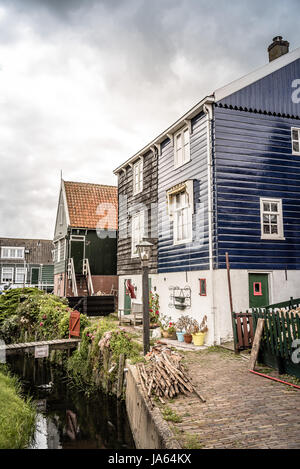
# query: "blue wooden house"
[[228, 180]]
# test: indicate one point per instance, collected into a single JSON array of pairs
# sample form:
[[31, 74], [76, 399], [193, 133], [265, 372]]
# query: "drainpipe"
[[208, 109]]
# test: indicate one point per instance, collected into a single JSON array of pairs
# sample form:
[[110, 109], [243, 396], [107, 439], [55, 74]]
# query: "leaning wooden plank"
[[256, 343]]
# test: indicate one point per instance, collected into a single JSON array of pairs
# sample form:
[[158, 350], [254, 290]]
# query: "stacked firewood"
[[163, 375]]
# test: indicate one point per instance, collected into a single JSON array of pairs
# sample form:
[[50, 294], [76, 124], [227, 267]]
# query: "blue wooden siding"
[[272, 93], [191, 256], [253, 159]]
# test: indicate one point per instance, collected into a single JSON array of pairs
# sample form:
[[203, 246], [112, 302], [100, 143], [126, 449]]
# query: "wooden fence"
[[281, 330]]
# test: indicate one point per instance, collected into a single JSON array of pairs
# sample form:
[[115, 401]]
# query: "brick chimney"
[[278, 48]]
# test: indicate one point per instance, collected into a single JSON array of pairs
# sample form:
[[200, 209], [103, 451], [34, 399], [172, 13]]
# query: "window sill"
[[268, 238], [184, 241], [182, 164]]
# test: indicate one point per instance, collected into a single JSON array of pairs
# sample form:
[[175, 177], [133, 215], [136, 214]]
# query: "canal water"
[[67, 418]]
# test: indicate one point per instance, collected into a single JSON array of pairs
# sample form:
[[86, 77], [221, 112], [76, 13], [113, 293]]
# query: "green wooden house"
[[26, 262], [85, 240]]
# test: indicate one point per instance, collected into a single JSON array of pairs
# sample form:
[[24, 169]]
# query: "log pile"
[[163, 375]]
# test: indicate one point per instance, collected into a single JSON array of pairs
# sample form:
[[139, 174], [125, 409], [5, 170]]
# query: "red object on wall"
[[74, 327], [130, 289], [257, 289]]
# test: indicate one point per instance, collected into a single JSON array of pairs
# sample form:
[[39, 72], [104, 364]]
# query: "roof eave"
[[187, 116]]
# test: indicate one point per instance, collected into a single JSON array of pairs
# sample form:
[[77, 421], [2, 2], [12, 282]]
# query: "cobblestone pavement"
[[242, 410]]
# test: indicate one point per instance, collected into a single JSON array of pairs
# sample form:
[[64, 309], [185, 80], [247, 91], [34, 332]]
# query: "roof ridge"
[[91, 184]]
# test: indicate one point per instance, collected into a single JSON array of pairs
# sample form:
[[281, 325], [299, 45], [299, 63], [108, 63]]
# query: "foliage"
[[153, 307], [37, 316], [85, 366], [170, 416], [17, 416], [10, 300], [190, 325]]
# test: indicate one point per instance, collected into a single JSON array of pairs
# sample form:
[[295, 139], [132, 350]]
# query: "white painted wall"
[[216, 304]]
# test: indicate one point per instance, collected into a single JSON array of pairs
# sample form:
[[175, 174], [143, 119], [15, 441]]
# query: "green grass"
[[191, 442], [17, 416], [170, 416]]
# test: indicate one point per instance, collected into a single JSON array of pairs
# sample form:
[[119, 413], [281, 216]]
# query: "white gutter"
[[158, 140], [208, 109]]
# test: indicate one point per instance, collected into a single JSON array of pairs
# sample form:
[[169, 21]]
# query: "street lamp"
[[144, 249]]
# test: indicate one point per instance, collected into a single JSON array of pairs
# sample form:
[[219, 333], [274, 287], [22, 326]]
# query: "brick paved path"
[[242, 410]]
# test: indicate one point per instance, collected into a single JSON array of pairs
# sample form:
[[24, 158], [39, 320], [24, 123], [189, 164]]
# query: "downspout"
[[208, 109]]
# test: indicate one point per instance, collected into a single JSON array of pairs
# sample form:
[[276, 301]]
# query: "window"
[[257, 289], [295, 141], [20, 275], [137, 231], [271, 219], [7, 275], [12, 253], [182, 147], [180, 208], [138, 177], [202, 286], [58, 251]]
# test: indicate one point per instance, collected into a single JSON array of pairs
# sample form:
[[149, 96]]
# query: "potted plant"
[[199, 331], [185, 323], [181, 326], [167, 327]]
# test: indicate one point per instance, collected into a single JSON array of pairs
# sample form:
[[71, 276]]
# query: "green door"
[[127, 298], [258, 290], [77, 252], [35, 273]]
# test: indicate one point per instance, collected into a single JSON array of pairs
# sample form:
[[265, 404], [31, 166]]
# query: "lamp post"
[[144, 250]]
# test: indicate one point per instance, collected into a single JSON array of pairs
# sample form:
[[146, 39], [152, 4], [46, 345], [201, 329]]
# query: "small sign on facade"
[[41, 351]]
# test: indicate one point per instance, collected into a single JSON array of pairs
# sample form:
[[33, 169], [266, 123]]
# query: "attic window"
[[295, 141], [138, 177], [182, 152], [12, 253]]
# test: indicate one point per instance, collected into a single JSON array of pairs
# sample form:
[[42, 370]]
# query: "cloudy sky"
[[84, 84]]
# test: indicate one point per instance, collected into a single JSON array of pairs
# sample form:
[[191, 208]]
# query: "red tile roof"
[[92, 205]]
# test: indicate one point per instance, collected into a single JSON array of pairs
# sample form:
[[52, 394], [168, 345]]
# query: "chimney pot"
[[278, 48]]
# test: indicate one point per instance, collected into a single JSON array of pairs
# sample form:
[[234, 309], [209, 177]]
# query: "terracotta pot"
[[165, 334], [188, 338]]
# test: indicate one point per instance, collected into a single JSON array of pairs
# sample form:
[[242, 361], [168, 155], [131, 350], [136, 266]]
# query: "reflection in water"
[[67, 418]]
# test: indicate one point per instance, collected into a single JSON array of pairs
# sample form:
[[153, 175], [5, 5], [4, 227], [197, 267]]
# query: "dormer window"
[[138, 177], [182, 152], [295, 141], [12, 253]]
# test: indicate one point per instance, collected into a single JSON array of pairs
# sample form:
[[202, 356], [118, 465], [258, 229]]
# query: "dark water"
[[67, 418]]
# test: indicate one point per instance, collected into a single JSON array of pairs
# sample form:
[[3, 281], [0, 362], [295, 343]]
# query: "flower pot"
[[165, 334], [180, 306], [179, 299], [198, 338], [173, 336], [180, 335], [188, 338]]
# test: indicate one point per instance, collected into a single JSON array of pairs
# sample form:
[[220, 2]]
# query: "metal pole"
[[146, 320]]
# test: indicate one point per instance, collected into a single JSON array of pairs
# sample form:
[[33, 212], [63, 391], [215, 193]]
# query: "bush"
[[10, 300]]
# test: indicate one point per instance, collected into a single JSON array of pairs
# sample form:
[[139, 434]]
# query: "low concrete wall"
[[149, 429]]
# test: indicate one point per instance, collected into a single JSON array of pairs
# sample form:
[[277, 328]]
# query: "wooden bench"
[[135, 314]]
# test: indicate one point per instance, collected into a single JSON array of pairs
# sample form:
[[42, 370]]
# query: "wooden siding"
[[61, 225], [272, 93], [127, 265], [39, 250], [253, 159], [195, 255]]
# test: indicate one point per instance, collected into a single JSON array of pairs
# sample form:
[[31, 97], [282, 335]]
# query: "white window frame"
[[58, 250], [23, 273], [186, 190], [185, 147], [137, 237], [10, 248], [11, 269], [137, 176], [295, 129], [272, 236]]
